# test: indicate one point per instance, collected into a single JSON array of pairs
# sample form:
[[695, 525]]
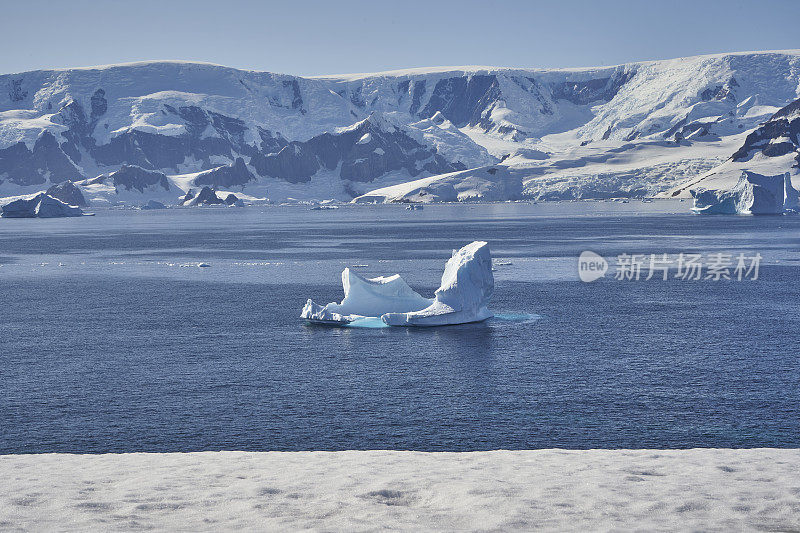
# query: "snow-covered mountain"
[[635, 129]]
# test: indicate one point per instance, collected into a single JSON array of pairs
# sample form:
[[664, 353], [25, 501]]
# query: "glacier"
[[753, 194], [466, 288]]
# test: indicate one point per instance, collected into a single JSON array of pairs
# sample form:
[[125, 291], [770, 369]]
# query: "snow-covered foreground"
[[702, 489]]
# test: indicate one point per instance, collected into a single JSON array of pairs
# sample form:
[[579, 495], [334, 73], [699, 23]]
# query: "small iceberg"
[[753, 194], [463, 296]]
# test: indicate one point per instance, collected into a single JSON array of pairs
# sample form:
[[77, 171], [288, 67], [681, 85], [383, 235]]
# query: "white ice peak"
[[463, 296]]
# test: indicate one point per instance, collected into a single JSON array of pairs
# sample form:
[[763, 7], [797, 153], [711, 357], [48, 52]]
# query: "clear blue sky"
[[338, 36]]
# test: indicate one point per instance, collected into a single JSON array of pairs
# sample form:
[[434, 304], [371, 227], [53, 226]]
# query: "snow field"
[[576, 490]]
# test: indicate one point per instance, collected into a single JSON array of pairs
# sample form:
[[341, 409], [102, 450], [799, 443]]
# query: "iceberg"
[[753, 194], [467, 286], [463, 296], [39, 206], [365, 297]]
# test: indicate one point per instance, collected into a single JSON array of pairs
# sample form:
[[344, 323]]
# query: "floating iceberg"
[[367, 298], [39, 206], [753, 194], [466, 288]]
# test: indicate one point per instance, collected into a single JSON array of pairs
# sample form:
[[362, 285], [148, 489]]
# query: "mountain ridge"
[[406, 71], [558, 130]]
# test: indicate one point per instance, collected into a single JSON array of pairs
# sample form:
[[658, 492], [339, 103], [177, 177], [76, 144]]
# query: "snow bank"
[[566, 490], [754, 194], [463, 297]]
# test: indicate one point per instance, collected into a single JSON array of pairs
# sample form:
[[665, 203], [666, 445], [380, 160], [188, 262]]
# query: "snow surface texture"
[[754, 194], [638, 129], [466, 288], [39, 206], [564, 490]]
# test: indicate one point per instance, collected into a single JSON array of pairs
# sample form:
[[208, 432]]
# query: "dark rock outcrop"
[[131, 177], [232, 199], [586, 92], [780, 135], [462, 99], [206, 196], [365, 151], [68, 193], [15, 91], [31, 167], [226, 176], [150, 151]]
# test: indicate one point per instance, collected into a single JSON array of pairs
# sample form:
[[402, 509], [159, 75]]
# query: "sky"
[[345, 36]]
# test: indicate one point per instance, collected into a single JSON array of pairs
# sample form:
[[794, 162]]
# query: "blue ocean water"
[[113, 340]]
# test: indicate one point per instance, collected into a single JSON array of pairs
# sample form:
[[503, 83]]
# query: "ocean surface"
[[112, 339]]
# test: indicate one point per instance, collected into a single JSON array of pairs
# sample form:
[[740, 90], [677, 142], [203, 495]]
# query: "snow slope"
[[492, 183], [635, 129], [552, 490]]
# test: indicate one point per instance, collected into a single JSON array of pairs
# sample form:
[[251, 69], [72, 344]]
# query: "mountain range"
[[155, 130]]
